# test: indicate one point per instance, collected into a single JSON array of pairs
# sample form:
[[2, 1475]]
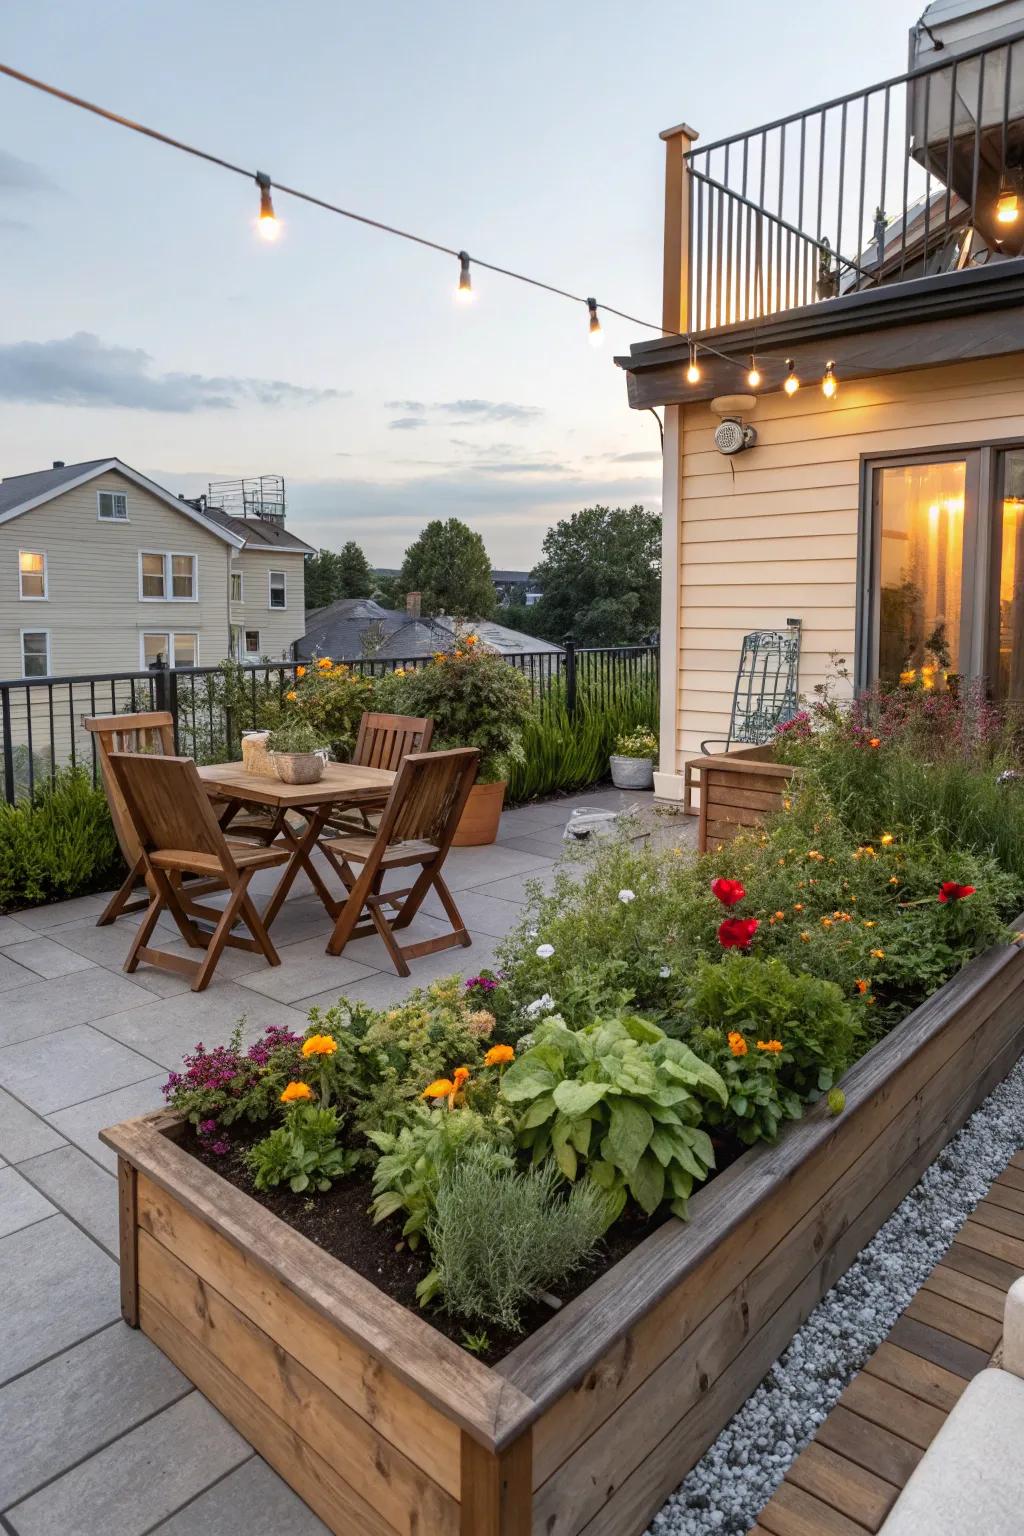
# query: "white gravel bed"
[[739, 1473]]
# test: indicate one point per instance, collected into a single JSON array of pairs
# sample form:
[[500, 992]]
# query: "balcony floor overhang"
[[914, 324]]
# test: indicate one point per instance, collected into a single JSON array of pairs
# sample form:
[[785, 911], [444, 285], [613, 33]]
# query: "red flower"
[[729, 892], [949, 890], [737, 932]]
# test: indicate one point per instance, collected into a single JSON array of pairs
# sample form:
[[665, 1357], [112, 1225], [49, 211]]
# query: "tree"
[[330, 576], [449, 565], [600, 571]]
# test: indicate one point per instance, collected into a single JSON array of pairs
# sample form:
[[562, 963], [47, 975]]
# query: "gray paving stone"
[[385, 988], [527, 819], [42, 919], [516, 887], [40, 1007], [70, 1406], [253, 1500], [467, 867], [22, 1133], [165, 1030], [57, 1286], [46, 957], [11, 931], [547, 844], [57, 1070], [79, 1187], [20, 1204], [82, 1123], [108, 946], [127, 1488], [488, 914], [13, 975], [306, 967]]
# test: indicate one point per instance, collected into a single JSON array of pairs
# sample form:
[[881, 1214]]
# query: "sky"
[[142, 317]]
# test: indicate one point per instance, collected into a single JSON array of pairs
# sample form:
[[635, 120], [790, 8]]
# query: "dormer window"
[[113, 506]]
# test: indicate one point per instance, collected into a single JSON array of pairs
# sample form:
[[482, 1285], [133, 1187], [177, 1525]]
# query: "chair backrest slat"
[[168, 804], [385, 739], [428, 795], [152, 733]]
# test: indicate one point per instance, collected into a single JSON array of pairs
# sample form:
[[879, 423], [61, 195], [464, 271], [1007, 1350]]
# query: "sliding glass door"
[[920, 516], [1007, 626]]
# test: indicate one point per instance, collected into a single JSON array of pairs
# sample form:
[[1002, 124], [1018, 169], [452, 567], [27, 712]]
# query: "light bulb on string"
[[693, 372], [754, 376], [596, 333], [791, 383], [464, 292], [830, 384], [268, 224]]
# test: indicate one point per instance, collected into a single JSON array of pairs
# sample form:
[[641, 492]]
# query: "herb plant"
[[303, 1152]]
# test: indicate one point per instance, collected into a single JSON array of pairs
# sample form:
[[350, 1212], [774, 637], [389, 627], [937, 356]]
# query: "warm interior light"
[[1007, 207], [754, 376], [464, 292], [829, 384], [791, 383], [693, 372], [268, 224], [596, 333]]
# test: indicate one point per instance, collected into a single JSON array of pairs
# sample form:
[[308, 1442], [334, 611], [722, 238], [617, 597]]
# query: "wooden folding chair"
[[179, 834], [149, 732], [382, 742], [416, 828]]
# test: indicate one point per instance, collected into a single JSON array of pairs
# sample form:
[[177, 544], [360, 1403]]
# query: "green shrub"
[[639, 743], [408, 1174], [499, 1237], [57, 844], [620, 1101], [566, 753], [302, 1153]]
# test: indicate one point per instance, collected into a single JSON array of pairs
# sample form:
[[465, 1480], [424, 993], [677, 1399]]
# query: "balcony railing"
[[904, 179]]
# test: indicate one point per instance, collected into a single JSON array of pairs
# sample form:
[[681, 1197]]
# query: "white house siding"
[[278, 627], [772, 533]]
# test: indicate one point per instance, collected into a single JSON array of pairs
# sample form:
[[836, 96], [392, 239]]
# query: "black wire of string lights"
[[269, 226]]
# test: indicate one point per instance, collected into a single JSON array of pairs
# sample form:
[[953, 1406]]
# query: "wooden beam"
[[128, 1214], [497, 1489], [676, 275]]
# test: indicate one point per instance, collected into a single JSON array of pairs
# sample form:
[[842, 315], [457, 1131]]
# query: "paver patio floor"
[[101, 1436]]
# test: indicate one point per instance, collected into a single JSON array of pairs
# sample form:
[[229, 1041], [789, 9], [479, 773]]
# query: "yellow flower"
[[319, 1045], [399, 671], [908, 676], [300, 671], [787, 805], [499, 1056], [737, 1044], [894, 880], [295, 1092], [440, 656], [871, 924], [878, 954], [886, 838], [774, 1046], [325, 663], [291, 696]]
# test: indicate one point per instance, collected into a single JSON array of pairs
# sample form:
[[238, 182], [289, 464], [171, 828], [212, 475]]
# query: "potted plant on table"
[[475, 699], [298, 754], [632, 762]]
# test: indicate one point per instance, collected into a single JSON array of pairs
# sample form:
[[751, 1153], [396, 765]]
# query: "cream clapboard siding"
[[93, 611], [278, 627], [772, 533]]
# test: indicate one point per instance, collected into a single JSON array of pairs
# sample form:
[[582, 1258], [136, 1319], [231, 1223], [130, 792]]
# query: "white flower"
[[545, 951], [531, 933], [627, 896], [665, 972], [539, 1005]]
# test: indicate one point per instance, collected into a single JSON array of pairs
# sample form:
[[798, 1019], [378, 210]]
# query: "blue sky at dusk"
[[142, 317]]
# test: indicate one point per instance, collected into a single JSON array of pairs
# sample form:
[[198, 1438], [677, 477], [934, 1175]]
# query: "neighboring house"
[[102, 570], [872, 282], [359, 627], [516, 587]]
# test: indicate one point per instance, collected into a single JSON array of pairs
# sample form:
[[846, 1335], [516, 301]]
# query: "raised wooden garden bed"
[[383, 1425], [738, 790]]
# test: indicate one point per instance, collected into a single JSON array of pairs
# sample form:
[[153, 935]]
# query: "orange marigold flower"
[[805, 937], [291, 695], [798, 906], [440, 1088], [894, 879], [870, 923], [324, 663], [300, 671], [472, 639], [773, 1046], [862, 985], [439, 656], [780, 915], [875, 742], [826, 922], [812, 853], [296, 1092], [499, 1056], [319, 1045], [878, 954], [737, 1044]]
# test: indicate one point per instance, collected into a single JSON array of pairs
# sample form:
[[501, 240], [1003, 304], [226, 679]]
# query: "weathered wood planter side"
[[385, 1426], [738, 790]]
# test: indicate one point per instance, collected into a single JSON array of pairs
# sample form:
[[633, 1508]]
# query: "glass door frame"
[[977, 563]]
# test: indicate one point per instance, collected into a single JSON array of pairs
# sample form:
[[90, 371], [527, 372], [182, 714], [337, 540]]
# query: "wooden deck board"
[[847, 1479]]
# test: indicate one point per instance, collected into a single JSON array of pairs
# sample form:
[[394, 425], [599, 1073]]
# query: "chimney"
[[58, 464], [413, 604]]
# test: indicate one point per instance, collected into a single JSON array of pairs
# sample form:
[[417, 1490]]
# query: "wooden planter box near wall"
[[738, 790], [384, 1425]]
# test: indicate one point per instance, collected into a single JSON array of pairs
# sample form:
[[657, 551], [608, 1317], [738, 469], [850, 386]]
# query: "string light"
[[754, 376], [1008, 201], [693, 372], [791, 383], [829, 384], [268, 224], [596, 334], [464, 292]]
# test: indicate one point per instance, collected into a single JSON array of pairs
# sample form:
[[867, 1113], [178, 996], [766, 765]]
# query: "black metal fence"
[[41, 719], [921, 173]]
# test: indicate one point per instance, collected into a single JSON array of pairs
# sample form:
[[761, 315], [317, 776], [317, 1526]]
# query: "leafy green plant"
[[331, 698], [413, 1159], [60, 842], [638, 743], [498, 1237], [302, 1153], [567, 752], [295, 735], [758, 1100], [620, 1101]]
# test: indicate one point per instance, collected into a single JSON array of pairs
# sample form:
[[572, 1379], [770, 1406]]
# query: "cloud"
[[406, 423], [410, 407], [524, 467], [642, 456], [470, 412], [83, 370], [22, 175]]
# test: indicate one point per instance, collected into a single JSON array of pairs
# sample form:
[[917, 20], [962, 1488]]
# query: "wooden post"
[[676, 280], [127, 1204], [497, 1488]]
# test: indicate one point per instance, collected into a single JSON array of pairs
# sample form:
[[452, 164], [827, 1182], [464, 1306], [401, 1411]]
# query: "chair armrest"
[[1013, 1329]]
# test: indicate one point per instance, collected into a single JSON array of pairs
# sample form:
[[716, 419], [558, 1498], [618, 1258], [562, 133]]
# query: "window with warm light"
[[1009, 620], [921, 564], [32, 574]]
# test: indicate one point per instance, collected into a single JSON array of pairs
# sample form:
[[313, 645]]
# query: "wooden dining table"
[[343, 785]]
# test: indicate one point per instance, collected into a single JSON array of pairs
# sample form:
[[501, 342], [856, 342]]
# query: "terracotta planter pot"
[[478, 823]]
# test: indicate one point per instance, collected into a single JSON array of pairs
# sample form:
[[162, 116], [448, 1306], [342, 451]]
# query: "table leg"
[[301, 848]]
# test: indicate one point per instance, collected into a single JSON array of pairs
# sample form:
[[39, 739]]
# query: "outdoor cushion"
[[971, 1479]]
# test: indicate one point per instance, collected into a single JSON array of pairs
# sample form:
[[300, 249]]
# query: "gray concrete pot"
[[632, 772]]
